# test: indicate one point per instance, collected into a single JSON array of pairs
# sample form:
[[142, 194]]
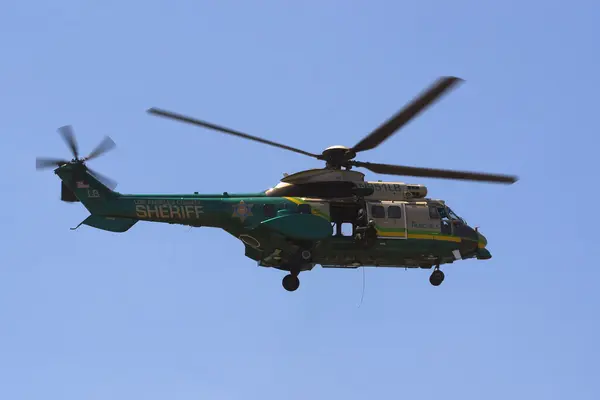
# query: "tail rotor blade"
[[43, 162], [106, 181], [69, 137], [106, 145]]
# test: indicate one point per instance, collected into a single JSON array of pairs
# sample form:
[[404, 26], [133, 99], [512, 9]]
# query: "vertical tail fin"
[[78, 184]]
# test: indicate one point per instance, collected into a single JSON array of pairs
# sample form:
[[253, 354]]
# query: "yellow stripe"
[[294, 200], [448, 238], [313, 211], [444, 238], [390, 233]]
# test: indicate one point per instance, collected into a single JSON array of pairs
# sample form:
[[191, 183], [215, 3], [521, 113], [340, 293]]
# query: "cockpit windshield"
[[455, 217], [446, 213]]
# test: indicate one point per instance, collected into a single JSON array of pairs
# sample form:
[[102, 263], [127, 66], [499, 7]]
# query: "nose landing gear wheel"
[[290, 282], [436, 278]]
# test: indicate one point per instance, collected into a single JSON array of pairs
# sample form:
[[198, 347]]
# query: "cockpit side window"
[[455, 217], [442, 213]]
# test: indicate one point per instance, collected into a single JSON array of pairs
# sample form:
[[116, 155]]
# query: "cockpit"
[[450, 221], [447, 213]]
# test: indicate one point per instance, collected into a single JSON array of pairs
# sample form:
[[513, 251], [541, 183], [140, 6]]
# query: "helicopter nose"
[[481, 240], [482, 252]]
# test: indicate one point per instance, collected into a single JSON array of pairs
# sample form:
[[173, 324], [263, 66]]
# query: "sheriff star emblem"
[[242, 210]]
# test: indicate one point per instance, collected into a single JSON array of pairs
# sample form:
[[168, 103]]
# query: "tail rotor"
[[66, 132]]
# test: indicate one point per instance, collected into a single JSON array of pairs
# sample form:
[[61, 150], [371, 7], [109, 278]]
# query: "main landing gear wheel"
[[436, 278], [290, 282]]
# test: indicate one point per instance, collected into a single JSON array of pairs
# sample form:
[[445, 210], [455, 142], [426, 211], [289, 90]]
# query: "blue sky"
[[168, 312]]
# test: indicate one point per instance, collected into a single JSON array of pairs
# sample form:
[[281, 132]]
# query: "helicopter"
[[299, 223]]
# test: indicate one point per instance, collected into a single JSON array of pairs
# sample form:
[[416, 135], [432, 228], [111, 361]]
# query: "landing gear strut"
[[303, 256], [290, 282], [437, 277]]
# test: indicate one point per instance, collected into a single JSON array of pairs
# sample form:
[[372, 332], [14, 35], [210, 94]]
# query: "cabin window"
[[377, 211], [346, 229], [433, 213], [394, 212], [269, 210], [304, 208]]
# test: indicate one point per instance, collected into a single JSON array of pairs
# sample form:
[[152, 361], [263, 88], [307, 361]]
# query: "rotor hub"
[[337, 156]]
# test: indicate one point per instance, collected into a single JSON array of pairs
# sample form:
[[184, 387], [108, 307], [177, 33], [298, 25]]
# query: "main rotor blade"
[[105, 180], [193, 121], [104, 146], [422, 101], [43, 162], [435, 173], [69, 137]]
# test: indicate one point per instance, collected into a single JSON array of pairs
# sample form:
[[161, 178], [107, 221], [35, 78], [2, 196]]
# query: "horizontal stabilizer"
[[111, 224]]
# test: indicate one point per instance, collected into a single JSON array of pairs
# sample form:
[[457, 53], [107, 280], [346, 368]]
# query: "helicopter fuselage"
[[277, 231]]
